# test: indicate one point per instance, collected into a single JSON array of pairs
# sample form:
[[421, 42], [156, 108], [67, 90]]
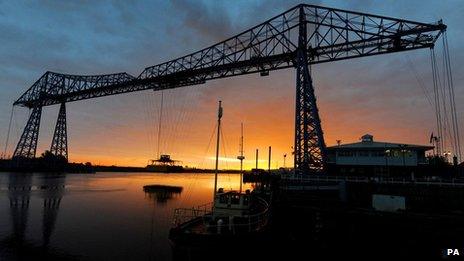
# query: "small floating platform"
[[158, 188]]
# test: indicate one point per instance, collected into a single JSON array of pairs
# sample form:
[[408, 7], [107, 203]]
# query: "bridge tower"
[[27, 145], [59, 145], [309, 147]]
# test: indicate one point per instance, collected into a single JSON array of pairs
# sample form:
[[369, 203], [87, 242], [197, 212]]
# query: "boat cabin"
[[232, 203]]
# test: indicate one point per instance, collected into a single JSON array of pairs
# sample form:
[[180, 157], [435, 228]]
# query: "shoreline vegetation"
[[48, 162]]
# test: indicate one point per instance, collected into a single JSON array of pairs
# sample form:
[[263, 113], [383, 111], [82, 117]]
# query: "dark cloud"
[[206, 21], [217, 20]]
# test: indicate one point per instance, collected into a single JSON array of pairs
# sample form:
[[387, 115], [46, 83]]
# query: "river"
[[103, 216]]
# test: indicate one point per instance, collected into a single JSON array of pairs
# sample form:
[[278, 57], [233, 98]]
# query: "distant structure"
[[164, 164], [376, 157]]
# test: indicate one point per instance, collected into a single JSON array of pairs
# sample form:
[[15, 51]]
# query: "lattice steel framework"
[[27, 144], [309, 140], [59, 145], [301, 36]]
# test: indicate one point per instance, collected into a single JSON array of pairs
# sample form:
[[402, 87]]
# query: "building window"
[[345, 153], [378, 153], [363, 153]]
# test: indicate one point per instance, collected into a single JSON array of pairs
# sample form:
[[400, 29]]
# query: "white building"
[[374, 153]]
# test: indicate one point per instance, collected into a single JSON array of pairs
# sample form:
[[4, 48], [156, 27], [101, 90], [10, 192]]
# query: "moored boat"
[[232, 217]]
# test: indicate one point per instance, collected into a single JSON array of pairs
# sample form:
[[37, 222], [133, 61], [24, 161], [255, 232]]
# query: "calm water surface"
[[103, 216]]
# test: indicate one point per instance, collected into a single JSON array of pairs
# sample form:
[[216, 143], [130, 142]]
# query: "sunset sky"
[[380, 95]]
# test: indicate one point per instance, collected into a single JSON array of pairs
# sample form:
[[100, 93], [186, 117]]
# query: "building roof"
[[369, 143]]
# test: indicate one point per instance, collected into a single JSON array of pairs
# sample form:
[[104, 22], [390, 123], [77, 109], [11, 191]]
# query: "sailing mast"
[[217, 151], [241, 158]]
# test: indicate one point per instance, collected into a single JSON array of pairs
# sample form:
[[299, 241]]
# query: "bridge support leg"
[[59, 145], [27, 144], [310, 154]]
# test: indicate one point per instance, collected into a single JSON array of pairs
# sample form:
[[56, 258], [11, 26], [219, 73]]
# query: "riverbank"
[[39, 165]]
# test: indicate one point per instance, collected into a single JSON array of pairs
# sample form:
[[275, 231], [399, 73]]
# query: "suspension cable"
[[446, 132], [457, 148], [159, 123], [436, 101], [419, 80]]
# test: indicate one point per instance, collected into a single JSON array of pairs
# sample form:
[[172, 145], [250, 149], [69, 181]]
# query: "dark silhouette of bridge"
[[297, 38]]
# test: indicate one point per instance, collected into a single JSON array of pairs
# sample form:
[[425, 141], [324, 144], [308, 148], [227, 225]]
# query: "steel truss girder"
[[27, 145], [53, 86], [59, 146], [332, 35]]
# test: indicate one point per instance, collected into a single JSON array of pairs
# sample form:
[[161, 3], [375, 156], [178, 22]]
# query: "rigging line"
[[452, 96], [437, 101], [419, 80], [207, 148], [159, 123], [189, 187], [8, 133]]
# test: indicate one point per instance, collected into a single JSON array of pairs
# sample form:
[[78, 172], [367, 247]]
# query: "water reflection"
[[105, 216], [161, 193], [21, 189], [19, 194], [51, 190]]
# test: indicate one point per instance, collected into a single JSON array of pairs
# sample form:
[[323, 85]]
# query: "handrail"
[[182, 215], [380, 180], [254, 223]]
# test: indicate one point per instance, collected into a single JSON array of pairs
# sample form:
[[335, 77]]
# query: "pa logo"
[[452, 252]]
